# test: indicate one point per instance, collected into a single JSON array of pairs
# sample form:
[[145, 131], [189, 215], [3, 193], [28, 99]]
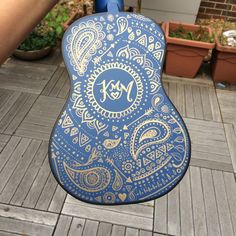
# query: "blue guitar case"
[[119, 139]]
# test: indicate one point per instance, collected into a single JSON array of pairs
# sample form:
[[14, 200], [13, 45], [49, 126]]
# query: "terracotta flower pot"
[[224, 64], [32, 55], [184, 57]]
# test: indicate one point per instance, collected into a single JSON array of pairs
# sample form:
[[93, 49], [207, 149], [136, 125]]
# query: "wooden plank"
[[131, 232], [7, 234], [180, 99], [172, 93], [21, 114], [104, 229], [19, 172], [189, 101], [4, 138], [214, 105], [77, 227], [38, 185], [48, 88], [63, 226], [59, 85], [197, 102], [230, 132], [174, 212], [206, 105], [28, 133], [199, 81], [25, 78], [65, 88], [4, 108], [210, 203], [17, 106], [8, 150], [141, 210], [211, 157], [166, 87], [30, 175], [24, 227], [3, 141], [160, 215], [145, 233], [105, 214], [211, 164], [186, 216], [198, 208], [220, 148], [41, 117], [207, 124], [230, 186], [29, 215], [57, 200], [7, 171], [47, 193], [222, 204], [227, 101], [90, 228], [118, 230]]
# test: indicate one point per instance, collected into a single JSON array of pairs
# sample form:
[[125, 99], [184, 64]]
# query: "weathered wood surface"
[[227, 101], [32, 203], [41, 118], [30, 78]]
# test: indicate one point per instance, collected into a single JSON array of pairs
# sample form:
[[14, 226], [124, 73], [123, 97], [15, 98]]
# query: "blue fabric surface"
[[119, 139]]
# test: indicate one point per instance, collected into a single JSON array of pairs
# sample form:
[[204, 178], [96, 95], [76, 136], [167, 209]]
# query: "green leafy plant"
[[201, 34], [56, 17], [218, 26], [48, 31], [41, 37]]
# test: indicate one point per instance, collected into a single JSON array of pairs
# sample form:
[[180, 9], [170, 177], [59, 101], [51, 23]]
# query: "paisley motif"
[[148, 133], [122, 24], [92, 180], [83, 43], [111, 143]]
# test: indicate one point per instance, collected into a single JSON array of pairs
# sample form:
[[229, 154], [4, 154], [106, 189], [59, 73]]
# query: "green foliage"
[[201, 34], [40, 37], [48, 31], [218, 26], [56, 18]]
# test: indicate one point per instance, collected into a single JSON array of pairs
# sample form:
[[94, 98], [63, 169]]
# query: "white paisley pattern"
[[83, 43]]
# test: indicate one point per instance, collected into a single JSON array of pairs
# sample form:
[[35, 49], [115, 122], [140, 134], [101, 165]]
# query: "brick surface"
[[217, 9]]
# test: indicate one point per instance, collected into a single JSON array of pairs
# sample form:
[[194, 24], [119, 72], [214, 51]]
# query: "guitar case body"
[[119, 139]]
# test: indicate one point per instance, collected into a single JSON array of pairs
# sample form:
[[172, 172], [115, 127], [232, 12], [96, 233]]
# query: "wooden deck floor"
[[32, 203]]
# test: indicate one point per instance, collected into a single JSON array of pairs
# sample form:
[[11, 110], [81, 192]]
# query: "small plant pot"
[[32, 55], [184, 57], [224, 64]]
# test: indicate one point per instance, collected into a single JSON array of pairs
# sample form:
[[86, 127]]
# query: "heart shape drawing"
[[122, 196], [115, 95]]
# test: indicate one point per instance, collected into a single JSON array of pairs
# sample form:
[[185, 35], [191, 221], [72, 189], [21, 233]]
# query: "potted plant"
[[187, 46], [38, 44], [224, 55], [45, 35]]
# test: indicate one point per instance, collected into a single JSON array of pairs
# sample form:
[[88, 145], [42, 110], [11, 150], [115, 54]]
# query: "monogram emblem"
[[114, 90]]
